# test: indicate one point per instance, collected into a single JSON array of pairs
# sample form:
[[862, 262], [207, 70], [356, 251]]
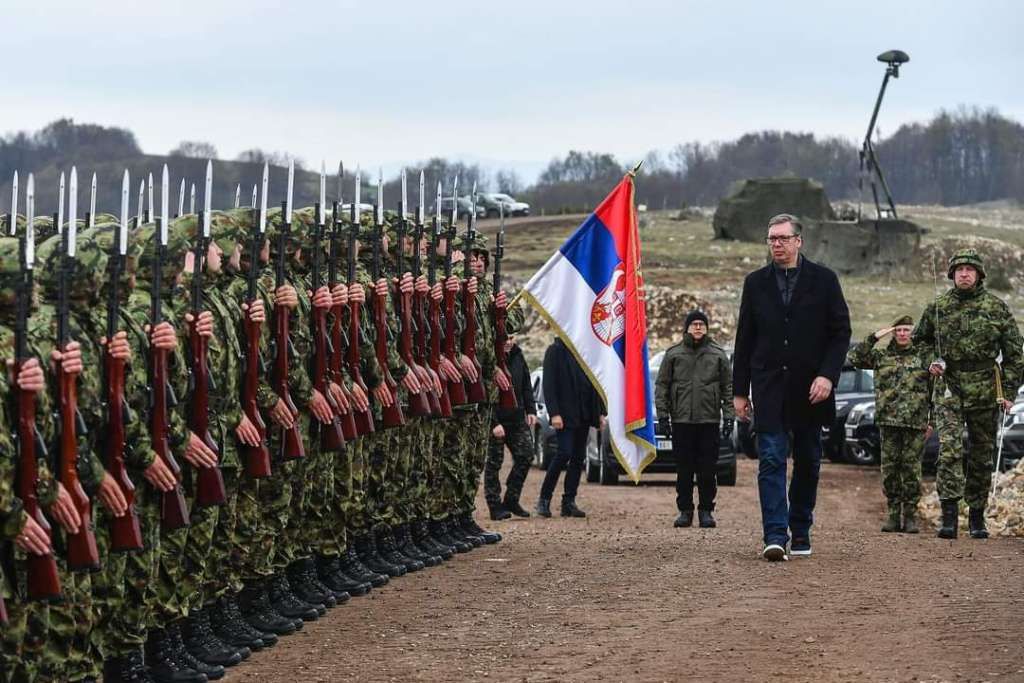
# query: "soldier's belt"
[[971, 365]]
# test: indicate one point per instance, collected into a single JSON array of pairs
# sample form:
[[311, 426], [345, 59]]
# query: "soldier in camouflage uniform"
[[965, 330], [903, 390]]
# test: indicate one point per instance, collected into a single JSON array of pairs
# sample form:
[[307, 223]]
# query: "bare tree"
[[195, 149]]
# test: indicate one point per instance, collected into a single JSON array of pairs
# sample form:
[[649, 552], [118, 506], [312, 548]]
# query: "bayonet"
[[252, 204], [238, 195], [92, 202], [263, 198], [192, 199], [207, 199], [151, 208], [323, 194], [30, 217], [164, 218], [142, 194], [60, 205], [421, 208], [165, 188], [404, 204], [13, 218], [122, 242], [341, 179], [291, 188], [356, 192], [455, 203], [72, 211], [181, 197], [379, 209]]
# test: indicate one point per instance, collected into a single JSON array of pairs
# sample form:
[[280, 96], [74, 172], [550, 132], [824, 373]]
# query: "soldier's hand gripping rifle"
[[419, 404], [256, 458], [125, 531], [209, 480], [506, 397], [332, 440], [457, 389], [173, 509], [42, 579], [82, 553], [364, 418], [337, 332], [421, 322], [474, 389], [291, 438], [434, 311], [391, 415]]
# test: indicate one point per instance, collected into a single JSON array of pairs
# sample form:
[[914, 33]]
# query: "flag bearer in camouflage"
[[903, 391], [965, 330]]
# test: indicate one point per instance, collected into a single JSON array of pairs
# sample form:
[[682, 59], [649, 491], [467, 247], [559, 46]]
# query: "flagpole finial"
[[632, 174]]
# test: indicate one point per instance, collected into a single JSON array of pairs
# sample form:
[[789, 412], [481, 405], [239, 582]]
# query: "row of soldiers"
[[228, 435]]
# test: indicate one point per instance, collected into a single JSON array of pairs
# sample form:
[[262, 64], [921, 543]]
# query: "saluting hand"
[[883, 332], [112, 497]]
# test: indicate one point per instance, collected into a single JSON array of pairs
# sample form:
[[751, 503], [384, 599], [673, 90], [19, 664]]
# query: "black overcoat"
[[781, 349], [567, 389]]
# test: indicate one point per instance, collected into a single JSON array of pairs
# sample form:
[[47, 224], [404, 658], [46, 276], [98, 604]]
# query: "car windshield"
[[502, 197], [847, 382]]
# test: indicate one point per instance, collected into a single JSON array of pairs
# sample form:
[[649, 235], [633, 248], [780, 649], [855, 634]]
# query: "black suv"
[[854, 388]]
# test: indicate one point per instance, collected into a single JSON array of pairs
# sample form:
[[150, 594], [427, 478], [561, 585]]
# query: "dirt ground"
[[622, 596]]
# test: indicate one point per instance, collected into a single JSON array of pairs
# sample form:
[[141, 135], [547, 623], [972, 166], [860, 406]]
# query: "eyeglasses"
[[780, 239]]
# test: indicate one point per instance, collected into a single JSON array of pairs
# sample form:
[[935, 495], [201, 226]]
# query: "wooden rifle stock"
[[364, 418], [291, 438], [456, 390], [335, 364], [434, 358], [392, 415], [125, 531], [419, 307], [256, 458], [419, 404], [332, 438], [474, 390]]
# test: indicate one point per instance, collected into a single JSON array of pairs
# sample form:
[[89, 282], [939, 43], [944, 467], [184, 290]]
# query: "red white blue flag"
[[591, 292]]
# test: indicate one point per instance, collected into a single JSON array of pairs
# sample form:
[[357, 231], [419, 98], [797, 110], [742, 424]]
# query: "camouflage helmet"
[[10, 274], [105, 238], [86, 272], [966, 257], [179, 240]]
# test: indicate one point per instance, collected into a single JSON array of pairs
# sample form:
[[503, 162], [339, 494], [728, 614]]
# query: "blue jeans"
[[773, 449], [572, 452]]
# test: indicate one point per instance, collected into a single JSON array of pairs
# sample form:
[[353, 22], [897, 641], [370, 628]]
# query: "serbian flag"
[[591, 293]]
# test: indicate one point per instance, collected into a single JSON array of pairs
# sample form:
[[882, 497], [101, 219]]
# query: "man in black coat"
[[792, 336], [573, 407]]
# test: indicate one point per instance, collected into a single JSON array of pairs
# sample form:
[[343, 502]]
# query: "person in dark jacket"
[[573, 407], [693, 393], [512, 427], [792, 336]]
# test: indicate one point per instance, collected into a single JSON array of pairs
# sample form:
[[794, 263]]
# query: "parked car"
[[863, 444], [465, 208], [854, 387], [602, 466], [545, 444], [491, 201], [1013, 435]]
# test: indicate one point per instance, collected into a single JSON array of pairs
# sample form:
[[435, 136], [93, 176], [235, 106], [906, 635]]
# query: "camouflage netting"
[[744, 213], [1004, 515]]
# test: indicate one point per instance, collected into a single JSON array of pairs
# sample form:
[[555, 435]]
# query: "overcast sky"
[[507, 84]]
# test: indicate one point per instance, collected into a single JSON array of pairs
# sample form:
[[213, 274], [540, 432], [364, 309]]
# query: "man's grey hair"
[[781, 218]]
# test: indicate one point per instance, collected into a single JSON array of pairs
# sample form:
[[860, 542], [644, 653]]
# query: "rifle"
[[506, 397], [209, 480], [43, 580], [338, 341], [392, 415], [291, 438], [419, 404], [257, 458], [434, 311], [420, 316], [457, 389], [173, 509], [125, 531], [364, 419], [83, 555], [475, 390], [332, 440]]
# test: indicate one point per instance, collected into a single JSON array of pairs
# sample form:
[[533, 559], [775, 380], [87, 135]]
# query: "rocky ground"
[[622, 596]]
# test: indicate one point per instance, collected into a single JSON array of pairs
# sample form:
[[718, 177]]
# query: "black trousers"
[[695, 447], [572, 452]]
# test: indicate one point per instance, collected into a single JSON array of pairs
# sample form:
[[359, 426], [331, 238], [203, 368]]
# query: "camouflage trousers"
[[474, 457], [353, 508], [334, 538], [227, 550], [443, 474], [901, 464], [381, 455], [419, 475], [247, 532], [23, 641], [453, 465], [318, 500], [274, 501], [520, 444], [959, 474], [198, 548], [67, 653]]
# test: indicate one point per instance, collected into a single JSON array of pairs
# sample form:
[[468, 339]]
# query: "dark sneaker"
[[706, 520], [685, 519], [800, 545], [515, 508], [773, 552]]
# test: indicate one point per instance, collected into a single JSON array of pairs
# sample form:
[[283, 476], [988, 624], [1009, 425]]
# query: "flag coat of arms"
[[591, 293]]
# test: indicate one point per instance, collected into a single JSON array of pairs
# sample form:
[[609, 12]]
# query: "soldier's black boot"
[[353, 567], [133, 669], [308, 588], [459, 532], [976, 523], [439, 531], [894, 521], [544, 507], [229, 626], [163, 661], [498, 512], [366, 547], [569, 508], [284, 601], [388, 548], [187, 660], [424, 539], [910, 519], [706, 519], [408, 545], [513, 506], [328, 569], [471, 527], [950, 519], [255, 607], [202, 644]]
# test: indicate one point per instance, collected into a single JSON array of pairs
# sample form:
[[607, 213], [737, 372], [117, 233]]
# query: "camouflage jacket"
[[970, 329], [903, 385]]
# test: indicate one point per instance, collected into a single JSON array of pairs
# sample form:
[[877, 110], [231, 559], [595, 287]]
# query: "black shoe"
[[187, 660], [706, 520], [307, 587], [163, 662], [424, 539], [976, 523], [127, 669], [439, 531], [569, 509], [235, 633], [330, 574], [352, 567], [684, 520], [420, 551], [544, 507], [515, 508], [285, 602], [231, 614], [202, 644], [950, 519], [471, 527], [366, 547], [388, 549], [255, 607], [459, 533], [498, 512]]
